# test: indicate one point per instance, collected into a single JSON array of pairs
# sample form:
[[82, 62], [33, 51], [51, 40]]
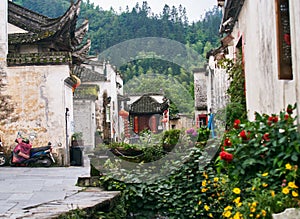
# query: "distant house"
[[39, 55], [267, 34], [201, 100], [148, 112], [97, 102]]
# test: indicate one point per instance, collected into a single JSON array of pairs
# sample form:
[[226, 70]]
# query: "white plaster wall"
[[112, 92], [14, 29], [3, 31], [38, 93], [295, 31], [265, 93], [84, 115]]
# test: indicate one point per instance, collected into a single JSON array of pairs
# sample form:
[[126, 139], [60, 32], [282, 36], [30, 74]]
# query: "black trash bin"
[[76, 158]]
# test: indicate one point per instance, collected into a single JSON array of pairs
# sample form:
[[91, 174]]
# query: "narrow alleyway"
[[46, 192]]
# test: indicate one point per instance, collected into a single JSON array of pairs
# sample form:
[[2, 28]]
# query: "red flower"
[[266, 137], [273, 119], [289, 109], [227, 142], [244, 135], [236, 123], [226, 156], [286, 116]]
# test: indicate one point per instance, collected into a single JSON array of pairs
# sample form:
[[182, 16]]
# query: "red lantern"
[[164, 120], [123, 113]]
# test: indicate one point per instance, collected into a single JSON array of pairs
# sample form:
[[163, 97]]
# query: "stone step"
[[87, 199]]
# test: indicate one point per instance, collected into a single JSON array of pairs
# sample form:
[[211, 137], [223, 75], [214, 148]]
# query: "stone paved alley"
[[45, 192]]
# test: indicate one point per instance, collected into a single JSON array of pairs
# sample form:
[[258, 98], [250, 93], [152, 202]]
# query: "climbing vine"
[[236, 108]]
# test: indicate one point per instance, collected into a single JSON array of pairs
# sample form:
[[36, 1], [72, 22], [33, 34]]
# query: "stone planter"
[[126, 152], [289, 213], [168, 147]]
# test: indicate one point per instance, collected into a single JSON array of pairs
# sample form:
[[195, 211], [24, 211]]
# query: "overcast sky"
[[195, 8]]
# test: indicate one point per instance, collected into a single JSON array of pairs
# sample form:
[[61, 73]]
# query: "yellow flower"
[[254, 204], [210, 215], [285, 190], [239, 204], [258, 216], [264, 184], [237, 215], [292, 185], [263, 213], [236, 191], [204, 183], [250, 215], [228, 208], [272, 193], [237, 200], [227, 214], [205, 175], [288, 166], [206, 207], [265, 174], [252, 209], [253, 188], [224, 180], [204, 189], [200, 202], [216, 179], [294, 194]]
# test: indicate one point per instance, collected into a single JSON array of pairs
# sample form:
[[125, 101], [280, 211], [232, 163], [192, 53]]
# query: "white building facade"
[[267, 32]]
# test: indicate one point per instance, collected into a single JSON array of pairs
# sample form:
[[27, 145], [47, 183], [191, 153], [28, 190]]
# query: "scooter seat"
[[34, 150]]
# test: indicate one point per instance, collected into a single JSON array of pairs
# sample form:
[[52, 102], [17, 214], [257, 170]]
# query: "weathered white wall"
[[14, 29], [265, 93], [217, 85], [111, 88], [84, 115], [39, 94], [295, 42], [3, 31], [200, 92]]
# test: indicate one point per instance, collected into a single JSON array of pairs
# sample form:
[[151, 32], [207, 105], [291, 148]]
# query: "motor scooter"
[[2, 155], [24, 155]]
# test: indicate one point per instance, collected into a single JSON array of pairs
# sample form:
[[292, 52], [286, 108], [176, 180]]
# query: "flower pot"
[[289, 213], [119, 151], [168, 147], [77, 143]]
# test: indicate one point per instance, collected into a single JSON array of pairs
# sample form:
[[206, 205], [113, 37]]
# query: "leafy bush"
[[261, 160], [189, 191]]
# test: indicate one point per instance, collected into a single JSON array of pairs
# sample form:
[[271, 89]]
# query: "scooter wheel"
[[46, 162], [11, 163], [2, 160]]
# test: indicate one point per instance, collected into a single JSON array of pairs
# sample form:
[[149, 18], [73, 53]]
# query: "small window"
[[283, 40]]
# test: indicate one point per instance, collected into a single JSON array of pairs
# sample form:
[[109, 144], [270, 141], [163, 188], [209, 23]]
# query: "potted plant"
[[76, 139]]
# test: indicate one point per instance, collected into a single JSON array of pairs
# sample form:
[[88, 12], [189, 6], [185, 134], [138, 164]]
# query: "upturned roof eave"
[[35, 22], [231, 12]]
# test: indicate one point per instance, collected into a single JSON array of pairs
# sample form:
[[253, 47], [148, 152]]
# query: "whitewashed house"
[[38, 55], [267, 33], [97, 102]]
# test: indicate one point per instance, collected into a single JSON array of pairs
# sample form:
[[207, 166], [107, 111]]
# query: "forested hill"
[[108, 28]]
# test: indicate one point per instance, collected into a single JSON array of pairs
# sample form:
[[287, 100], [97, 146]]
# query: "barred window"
[[283, 40]]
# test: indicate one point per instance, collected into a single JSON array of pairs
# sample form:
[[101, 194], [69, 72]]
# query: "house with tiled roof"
[[149, 111], [266, 36], [97, 116], [39, 55]]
